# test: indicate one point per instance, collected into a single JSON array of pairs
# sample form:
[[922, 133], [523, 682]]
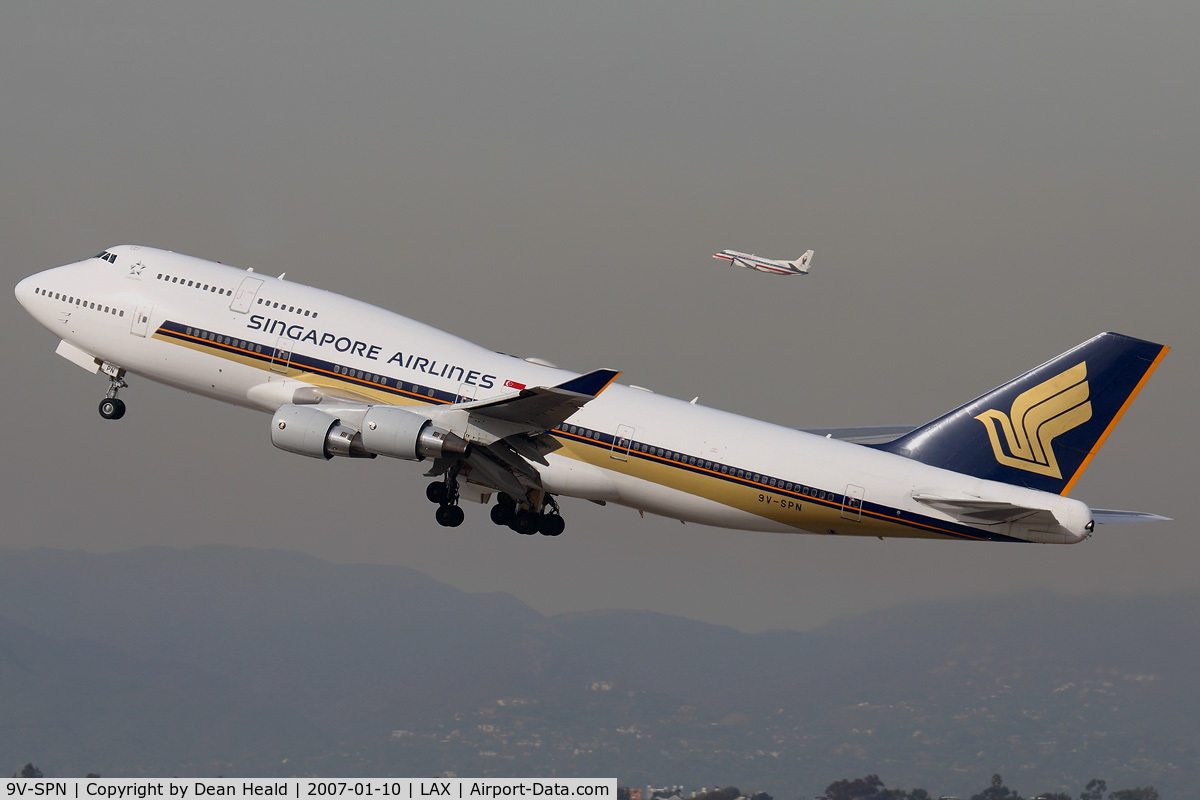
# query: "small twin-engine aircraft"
[[341, 377], [770, 266]]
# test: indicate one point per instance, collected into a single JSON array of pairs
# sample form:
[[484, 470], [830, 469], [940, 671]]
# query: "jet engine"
[[386, 430], [308, 432], [396, 432]]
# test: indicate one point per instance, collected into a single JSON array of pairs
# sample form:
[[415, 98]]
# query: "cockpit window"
[[107, 256]]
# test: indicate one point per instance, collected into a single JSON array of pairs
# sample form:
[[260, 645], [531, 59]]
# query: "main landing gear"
[[112, 407], [445, 494], [524, 520], [507, 512]]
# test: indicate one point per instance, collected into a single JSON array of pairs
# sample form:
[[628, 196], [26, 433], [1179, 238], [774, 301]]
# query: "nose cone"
[[23, 291]]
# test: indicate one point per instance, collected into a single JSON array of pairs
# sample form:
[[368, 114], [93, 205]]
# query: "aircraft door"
[[852, 502], [281, 358], [466, 392], [622, 441], [243, 298], [141, 320]]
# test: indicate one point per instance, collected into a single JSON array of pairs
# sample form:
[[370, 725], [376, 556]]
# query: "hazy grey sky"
[[985, 185]]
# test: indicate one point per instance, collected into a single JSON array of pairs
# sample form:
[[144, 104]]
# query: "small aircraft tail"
[[802, 263], [1042, 429]]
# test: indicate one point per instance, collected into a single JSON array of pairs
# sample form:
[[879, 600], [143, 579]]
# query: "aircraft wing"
[[509, 432], [876, 434], [1111, 516], [543, 407]]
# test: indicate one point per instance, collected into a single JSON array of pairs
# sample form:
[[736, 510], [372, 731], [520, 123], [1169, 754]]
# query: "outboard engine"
[[308, 432]]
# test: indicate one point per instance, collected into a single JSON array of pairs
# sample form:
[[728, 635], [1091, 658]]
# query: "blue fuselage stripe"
[[264, 354]]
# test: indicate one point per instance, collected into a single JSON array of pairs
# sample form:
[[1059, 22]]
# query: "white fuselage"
[[253, 340], [759, 264]]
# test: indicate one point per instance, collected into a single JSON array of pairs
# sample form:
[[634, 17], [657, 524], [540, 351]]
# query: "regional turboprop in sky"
[[340, 377], [770, 266]]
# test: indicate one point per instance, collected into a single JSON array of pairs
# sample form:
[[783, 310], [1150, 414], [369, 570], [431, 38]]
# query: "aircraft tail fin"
[[802, 263], [1041, 429]]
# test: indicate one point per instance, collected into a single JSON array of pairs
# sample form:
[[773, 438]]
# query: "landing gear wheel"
[[112, 408], [551, 525], [502, 514], [450, 516], [436, 492], [525, 523]]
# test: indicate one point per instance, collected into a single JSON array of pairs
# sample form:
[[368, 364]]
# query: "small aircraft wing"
[[987, 512], [875, 434], [1110, 516]]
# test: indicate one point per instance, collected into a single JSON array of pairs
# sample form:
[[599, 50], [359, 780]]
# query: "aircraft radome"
[[341, 377], [768, 265]]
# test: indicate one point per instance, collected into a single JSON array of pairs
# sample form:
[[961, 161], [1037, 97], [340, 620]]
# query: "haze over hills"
[[248, 662]]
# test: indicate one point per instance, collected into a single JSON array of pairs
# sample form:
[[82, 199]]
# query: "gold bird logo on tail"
[[1037, 417]]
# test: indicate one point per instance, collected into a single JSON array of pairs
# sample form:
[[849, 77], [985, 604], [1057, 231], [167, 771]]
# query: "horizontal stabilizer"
[[1110, 516], [874, 434], [987, 512]]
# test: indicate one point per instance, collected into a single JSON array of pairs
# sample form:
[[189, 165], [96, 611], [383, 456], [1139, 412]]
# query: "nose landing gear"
[[112, 407]]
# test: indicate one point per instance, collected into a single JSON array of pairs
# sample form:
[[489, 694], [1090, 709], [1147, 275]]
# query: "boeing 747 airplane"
[[341, 377], [767, 265]]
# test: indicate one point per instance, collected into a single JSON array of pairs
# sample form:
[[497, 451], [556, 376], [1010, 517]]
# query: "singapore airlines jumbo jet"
[[344, 378]]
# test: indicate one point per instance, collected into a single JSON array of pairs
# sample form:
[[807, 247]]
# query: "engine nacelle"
[[306, 431], [395, 432]]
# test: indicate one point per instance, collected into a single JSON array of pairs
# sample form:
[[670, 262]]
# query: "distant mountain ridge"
[[249, 662]]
